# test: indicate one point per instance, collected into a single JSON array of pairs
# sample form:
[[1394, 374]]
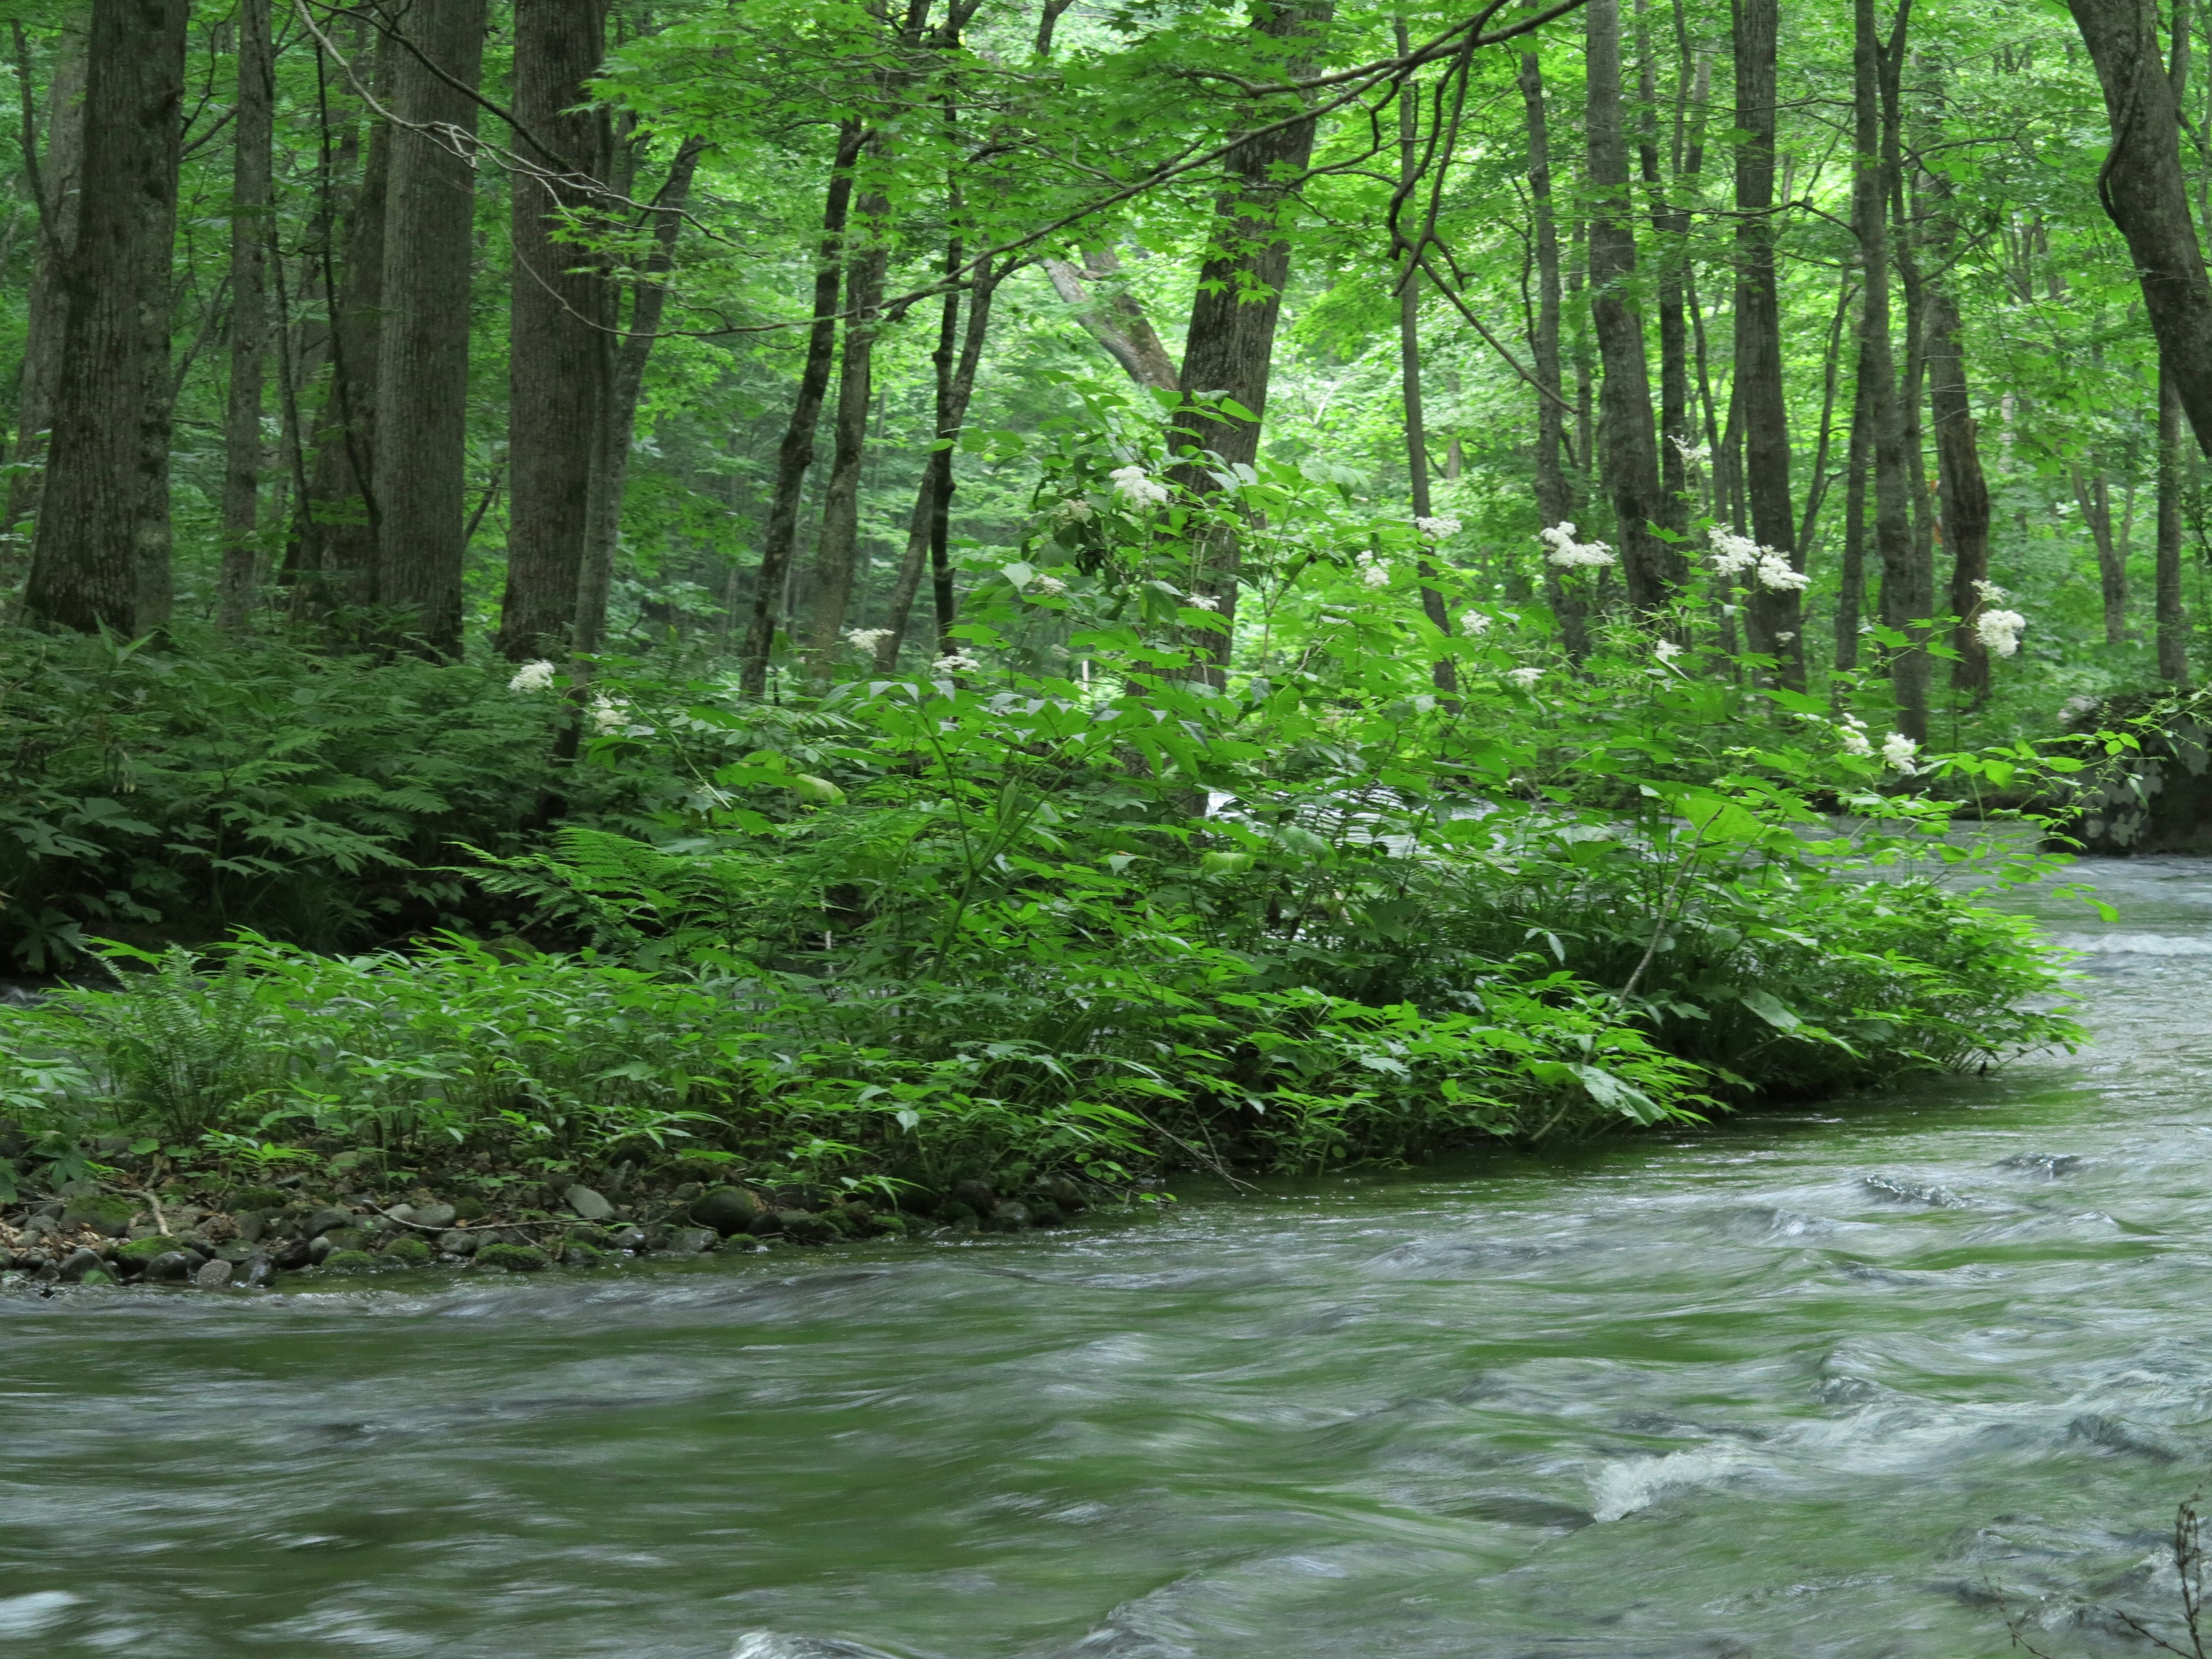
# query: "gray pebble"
[[213, 1275], [587, 1203]]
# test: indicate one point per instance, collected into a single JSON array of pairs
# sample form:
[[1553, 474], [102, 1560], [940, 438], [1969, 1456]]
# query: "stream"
[[1820, 1382]]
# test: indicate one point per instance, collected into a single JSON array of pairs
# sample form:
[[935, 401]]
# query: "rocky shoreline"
[[246, 1239]]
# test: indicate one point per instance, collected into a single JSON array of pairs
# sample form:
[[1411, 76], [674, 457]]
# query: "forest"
[[823, 598]]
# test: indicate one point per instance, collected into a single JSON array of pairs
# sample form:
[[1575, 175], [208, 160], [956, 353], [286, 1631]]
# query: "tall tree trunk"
[[1116, 320], [1629, 462], [1850, 586], [838, 549], [1831, 365], [2147, 195], [336, 558], [1774, 623], [421, 462], [1906, 223], [1555, 502], [1442, 672], [252, 133], [101, 555], [1670, 241], [1908, 667], [2172, 619], [2094, 496], [927, 530], [648, 299], [796, 453], [558, 359], [1230, 347], [57, 198]]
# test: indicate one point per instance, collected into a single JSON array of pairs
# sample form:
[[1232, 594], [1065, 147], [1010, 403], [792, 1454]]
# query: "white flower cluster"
[[1990, 593], [1999, 631], [1051, 586], [1441, 528], [1132, 484], [866, 638], [1898, 750], [609, 714], [1850, 732], [1734, 555], [1474, 622], [1074, 510], [1526, 678], [955, 662], [1376, 574], [1666, 651], [533, 676], [1201, 602], [1569, 554]]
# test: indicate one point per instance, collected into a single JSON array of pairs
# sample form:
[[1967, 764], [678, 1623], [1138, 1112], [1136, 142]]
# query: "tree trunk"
[[1629, 460], [2172, 619], [1229, 347], [838, 548], [56, 200], [1774, 623], [1117, 322], [796, 453], [648, 298], [1850, 589], [558, 356], [1908, 667], [1442, 672], [252, 134], [101, 555], [1670, 238], [2146, 194], [1555, 502], [1906, 223], [2094, 496], [421, 462]]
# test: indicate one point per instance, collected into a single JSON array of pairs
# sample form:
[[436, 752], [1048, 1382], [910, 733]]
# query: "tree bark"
[[420, 463], [1774, 621], [648, 299], [796, 453], [1670, 241], [2094, 496], [1441, 672], [1908, 667], [1851, 586], [2173, 619], [101, 554], [2146, 194], [1229, 347], [1627, 438], [252, 134], [837, 549], [558, 356], [1117, 322], [55, 199]]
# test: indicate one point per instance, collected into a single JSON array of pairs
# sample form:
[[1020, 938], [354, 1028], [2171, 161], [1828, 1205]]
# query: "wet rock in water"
[[457, 1242], [329, 1216], [626, 1238], [133, 1256], [237, 1252], [587, 1203], [727, 1210], [1067, 1192], [407, 1251], [108, 1217], [1043, 1212], [292, 1254], [585, 1233], [766, 1225], [77, 1264], [805, 1227], [169, 1268], [213, 1275], [346, 1238], [690, 1240], [349, 1262], [318, 1251], [257, 1272], [979, 1196], [920, 1200], [954, 1213], [574, 1255], [887, 1222], [1010, 1217], [513, 1258]]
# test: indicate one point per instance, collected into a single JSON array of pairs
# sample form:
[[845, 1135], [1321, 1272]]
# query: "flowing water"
[[1820, 1383]]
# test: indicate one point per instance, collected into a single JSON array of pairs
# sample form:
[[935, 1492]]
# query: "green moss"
[[351, 1261], [513, 1258], [408, 1250], [142, 1250]]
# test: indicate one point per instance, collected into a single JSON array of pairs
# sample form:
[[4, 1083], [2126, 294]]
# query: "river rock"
[[425, 1215], [319, 1250], [256, 1272], [953, 1213], [134, 1255], [1067, 1191], [805, 1227], [587, 1203], [626, 1238], [457, 1242], [328, 1217], [407, 1251], [977, 1195], [727, 1209], [1043, 1212], [108, 1217], [170, 1267], [77, 1264], [690, 1240], [349, 1262], [346, 1238], [250, 1227], [766, 1225], [1010, 1217], [513, 1258], [213, 1275]]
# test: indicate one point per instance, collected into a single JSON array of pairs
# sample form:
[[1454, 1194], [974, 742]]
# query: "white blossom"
[[1051, 586], [1136, 489], [1898, 750], [1376, 575], [1733, 555], [1666, 651], [1774, 575], [866, 638], [1569, 554], [1999, 630], [1441, 528], [1074, 510], [1692, 454], [609, 714], [1784, 638], [533, 676], [1854, 743], [1990, 593], [1526, 678], [1474, 622], [1203, 602], [955, 662]]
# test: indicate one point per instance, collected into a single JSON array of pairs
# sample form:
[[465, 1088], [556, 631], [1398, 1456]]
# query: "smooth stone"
[[626, 1238], [805, 1227], [108, 1217], [727, 1210], [250, 1228], [408, 1250], [237, 1252], [140, 1251], [77, 1264], [765, 1224], [690, 1240], [587, 1203], [977, 1195], [513, 1258], [329, 1216], [457, 1242], [346, 1238], [349, 1262], [319, 1250], [258, 1272], [1010, 1217], [170, 1267], [213, 1275], [427, 1215], [1043, 1212]]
